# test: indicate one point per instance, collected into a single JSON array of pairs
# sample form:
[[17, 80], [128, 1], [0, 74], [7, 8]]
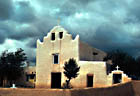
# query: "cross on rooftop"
[[58, 22], [117, 67]]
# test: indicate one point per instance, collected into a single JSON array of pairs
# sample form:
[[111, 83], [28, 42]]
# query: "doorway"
[[56, 80], [117, 78], [89, 80]]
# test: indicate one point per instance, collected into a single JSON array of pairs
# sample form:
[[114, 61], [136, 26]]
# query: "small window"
[[53, 36], [32, 76], [94, 53], [60, 35], [55, 58], [29, 77]]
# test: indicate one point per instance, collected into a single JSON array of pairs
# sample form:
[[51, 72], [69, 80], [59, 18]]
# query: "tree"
[[126, 62], [138, 66], [71, 70], [12, 65], [3, 62]]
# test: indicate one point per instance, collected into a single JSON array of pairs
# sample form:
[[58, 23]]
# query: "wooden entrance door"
[[117, 78], [89, 80], [56, 80]]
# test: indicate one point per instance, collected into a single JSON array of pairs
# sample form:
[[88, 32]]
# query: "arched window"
[[60, 35], [53, 36]]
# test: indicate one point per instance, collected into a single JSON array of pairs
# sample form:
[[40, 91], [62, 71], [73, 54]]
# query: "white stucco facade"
[[89, 59]]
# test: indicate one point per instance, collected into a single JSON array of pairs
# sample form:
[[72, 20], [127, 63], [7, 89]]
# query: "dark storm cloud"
[[106, 34], [24, 12], [2, 36], [134, 9], [45, 24], [6, 9], [24, 33], [105, 24], [81, 2], [66, 11], [32, 42], [5, 31], [71, 7]]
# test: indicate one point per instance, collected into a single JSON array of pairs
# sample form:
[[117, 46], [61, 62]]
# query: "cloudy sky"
[[104, 24]]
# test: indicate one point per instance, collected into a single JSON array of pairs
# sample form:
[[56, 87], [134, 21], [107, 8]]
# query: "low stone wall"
[[33, 92], [136, 87], [127, 89], [117, 90]]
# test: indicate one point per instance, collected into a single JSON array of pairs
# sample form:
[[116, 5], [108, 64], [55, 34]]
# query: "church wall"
[[136, 87], [97, 68], [89, 59], [88, 53], [124, 77], [65, 47]]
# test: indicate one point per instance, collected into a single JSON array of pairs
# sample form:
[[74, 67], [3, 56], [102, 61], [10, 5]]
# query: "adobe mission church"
[[57, 48]]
